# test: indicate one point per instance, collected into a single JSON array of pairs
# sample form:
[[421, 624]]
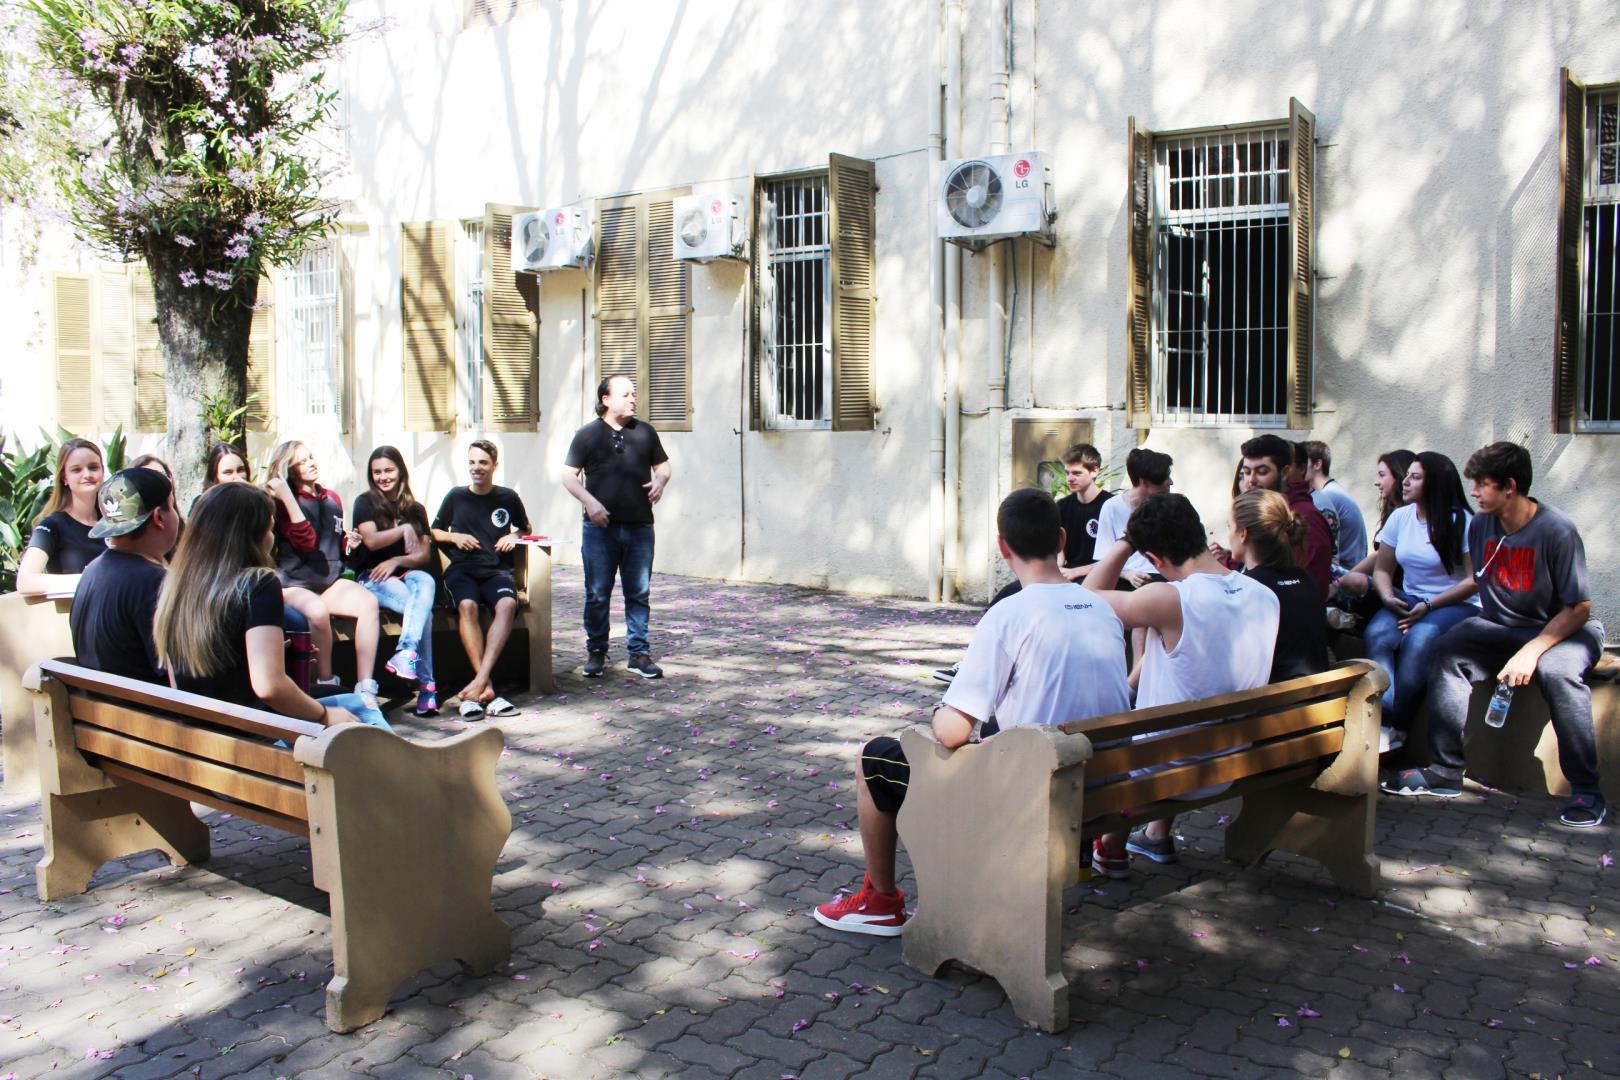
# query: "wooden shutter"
[[851, 184], [261, 358], [75, 375], [1567, 293], [643, 306], [151, 391], [617, 289], [1139, 280], [511, 332], [114, 347], [667, 387], [1302, 261], [428, 323], [762, 286]]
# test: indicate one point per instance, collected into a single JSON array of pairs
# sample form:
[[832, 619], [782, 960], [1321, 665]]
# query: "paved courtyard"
[[669, 839]]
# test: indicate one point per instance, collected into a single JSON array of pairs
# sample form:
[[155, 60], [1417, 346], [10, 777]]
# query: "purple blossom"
[[188, 278], [184, 241]]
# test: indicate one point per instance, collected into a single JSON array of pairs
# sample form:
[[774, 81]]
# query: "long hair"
[[147, 461], [1397, 462], [218, 453], [219, 561], [61, 498], [281, 462], [401, 505], [1444, 506], [1273, 529]]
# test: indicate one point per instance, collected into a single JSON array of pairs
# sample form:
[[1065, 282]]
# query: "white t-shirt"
[[1047, 654], [1426, 575], [1228, 631], [1116, 514]]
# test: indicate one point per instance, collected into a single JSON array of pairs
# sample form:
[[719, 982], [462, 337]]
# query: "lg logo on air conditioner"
[[1021, 171]]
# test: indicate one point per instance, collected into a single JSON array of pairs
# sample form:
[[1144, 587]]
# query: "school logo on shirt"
[[500, 518], [1091, 528], [1076, 607]]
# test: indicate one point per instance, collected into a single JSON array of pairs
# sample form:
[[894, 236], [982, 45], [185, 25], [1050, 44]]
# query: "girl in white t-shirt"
[[1428, 539]]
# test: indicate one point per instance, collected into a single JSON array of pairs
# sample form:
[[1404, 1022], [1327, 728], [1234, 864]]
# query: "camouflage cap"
[[128, 499]]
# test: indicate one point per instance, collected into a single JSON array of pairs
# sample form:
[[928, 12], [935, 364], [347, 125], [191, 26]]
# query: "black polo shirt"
[[617, 462]]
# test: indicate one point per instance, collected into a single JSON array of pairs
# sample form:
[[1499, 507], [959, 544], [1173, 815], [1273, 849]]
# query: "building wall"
[[1436, 181]]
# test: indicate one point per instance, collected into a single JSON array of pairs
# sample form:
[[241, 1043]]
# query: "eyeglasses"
[[618, 442]]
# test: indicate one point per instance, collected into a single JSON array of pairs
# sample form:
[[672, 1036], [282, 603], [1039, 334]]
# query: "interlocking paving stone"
[[670, 838]]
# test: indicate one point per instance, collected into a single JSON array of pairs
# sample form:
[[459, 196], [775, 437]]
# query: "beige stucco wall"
[[1435, 186]]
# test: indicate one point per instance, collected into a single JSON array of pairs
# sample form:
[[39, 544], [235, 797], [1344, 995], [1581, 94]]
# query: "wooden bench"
[[403, 836], [32, 628], [995, 830], [525, 662]]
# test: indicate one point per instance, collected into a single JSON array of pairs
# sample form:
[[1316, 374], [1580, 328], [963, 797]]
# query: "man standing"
[[479, 526], [1535, 623], [1080, 509], [111, 620], [617, 469], [1343, 516]]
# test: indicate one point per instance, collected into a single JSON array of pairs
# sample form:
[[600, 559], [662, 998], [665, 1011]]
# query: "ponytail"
[[1273, 529]]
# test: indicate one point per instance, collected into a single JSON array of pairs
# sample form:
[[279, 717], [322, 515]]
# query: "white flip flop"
[[501, 707], [471, 710]]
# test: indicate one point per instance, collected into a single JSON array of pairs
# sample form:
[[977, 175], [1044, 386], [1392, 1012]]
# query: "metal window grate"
[[795, 332], [1220, 278], [312, 365], [1600, 271], [470, 323]]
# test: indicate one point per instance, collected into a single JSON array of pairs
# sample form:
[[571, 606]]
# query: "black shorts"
[[1123, 585], [888, 774], [478, 584]]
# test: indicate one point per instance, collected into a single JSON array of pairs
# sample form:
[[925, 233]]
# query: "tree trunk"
[[205, 350]]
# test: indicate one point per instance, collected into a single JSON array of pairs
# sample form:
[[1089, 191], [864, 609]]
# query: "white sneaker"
[[1390, 739]]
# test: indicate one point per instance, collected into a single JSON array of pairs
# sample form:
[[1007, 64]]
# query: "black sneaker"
[[642, 665], [946, 674], [1584, 812], [1160, 851], [1420, 782], [595, 664]]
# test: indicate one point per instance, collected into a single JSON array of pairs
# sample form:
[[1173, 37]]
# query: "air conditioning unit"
[[710, 227], [555, 239], [982, 200]]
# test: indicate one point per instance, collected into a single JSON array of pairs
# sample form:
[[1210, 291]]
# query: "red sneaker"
[[866, 912], [1113, 864]]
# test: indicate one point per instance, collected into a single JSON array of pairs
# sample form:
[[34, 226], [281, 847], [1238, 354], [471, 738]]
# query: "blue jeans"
[[354, 704], [1407, 657], [412, 597], [625, 551]]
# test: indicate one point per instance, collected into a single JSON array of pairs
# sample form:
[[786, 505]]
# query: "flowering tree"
[[180, 132]]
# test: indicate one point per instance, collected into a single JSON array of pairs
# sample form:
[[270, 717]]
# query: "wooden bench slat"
[[1169, 808], [1140, 791], [296, 826], [194, 706], [1174, 746], [282, 798], [230, 750], [1277, 696]]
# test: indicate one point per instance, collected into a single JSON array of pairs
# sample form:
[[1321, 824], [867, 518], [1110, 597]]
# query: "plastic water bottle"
[[1496, 713]]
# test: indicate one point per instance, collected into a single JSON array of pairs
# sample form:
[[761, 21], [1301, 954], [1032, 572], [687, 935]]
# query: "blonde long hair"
[[61, 498], [281, 462], [221, 557]]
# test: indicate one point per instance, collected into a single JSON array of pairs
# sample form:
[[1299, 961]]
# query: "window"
[[311, 344], [814, 302], [495, 12], [1220, 270], [1587, 392], [644, 307]]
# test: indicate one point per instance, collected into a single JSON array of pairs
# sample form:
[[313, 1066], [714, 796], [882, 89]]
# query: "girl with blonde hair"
[[61, 547], [218, 627], [1265, 535]]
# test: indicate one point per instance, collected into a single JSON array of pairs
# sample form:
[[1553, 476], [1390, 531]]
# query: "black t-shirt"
[[233, 683], [1080, 527], [67, 544], [617, 464], [363, 558], [112, 614], [488, 517], [1301, 647]]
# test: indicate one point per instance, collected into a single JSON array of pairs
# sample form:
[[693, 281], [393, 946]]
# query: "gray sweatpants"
[[1476, 649]]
